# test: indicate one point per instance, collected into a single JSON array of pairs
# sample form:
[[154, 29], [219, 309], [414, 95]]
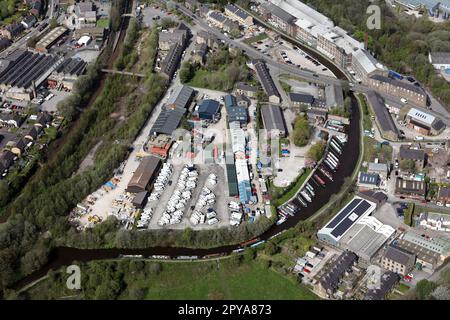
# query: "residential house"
[[444, 195], [246, 90], [416, 155], [12, 31]]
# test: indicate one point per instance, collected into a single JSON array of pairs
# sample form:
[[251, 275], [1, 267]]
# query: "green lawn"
[[213, 280], [218, 279], [103, 23]]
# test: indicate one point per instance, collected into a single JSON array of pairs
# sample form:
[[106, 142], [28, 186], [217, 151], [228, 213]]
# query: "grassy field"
[[220, 279]]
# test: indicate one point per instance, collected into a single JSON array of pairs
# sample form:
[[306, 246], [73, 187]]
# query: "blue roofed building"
[[236, 113], [209, 110]]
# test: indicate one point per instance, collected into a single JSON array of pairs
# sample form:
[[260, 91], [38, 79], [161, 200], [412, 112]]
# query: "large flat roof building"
[[341, 223]]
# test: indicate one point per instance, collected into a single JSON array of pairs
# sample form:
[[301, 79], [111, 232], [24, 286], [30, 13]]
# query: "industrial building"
[[313, 28], [369, 181], [411, 189], [366, 237], [266, 81], [424, 123], [67, 73], [173, 111], [23, 71], [273, 120], [354, 229], [334, 230], [383, 117], [430, 252], [277, 17], [181, 97], [50, 38], [235, 113], [144, 175]]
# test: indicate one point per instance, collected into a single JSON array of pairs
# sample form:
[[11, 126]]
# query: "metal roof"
[[143, 174], [168, 120], [334, 95], [421, 116], [181, 97], [273, 118]]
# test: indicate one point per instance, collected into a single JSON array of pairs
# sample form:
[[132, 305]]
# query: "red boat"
[[326, 173], [319, 180]]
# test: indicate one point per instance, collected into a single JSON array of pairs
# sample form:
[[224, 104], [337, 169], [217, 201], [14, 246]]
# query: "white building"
[[440, 60], [435, 221]]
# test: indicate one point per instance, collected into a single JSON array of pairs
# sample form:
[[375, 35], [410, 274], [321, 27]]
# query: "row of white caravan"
[[187, 182], [206, 200], [163, 178], [210, 217], [235, 213], [145, 218]]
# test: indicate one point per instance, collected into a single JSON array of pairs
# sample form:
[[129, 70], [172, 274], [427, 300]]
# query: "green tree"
[[424, 288], [317, 150], [301, 131], [408, 165]]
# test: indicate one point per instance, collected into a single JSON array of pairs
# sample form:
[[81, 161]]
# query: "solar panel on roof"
[[343, 213], [342, 227]]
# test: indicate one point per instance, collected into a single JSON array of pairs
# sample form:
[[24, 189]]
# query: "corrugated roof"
[[273, 118]]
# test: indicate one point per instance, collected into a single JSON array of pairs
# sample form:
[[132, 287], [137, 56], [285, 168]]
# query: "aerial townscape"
[[224, 150]]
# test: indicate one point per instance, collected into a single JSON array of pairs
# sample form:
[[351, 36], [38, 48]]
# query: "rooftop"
[[273, 118], [399, 83], [411, 154], [347, 217]]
